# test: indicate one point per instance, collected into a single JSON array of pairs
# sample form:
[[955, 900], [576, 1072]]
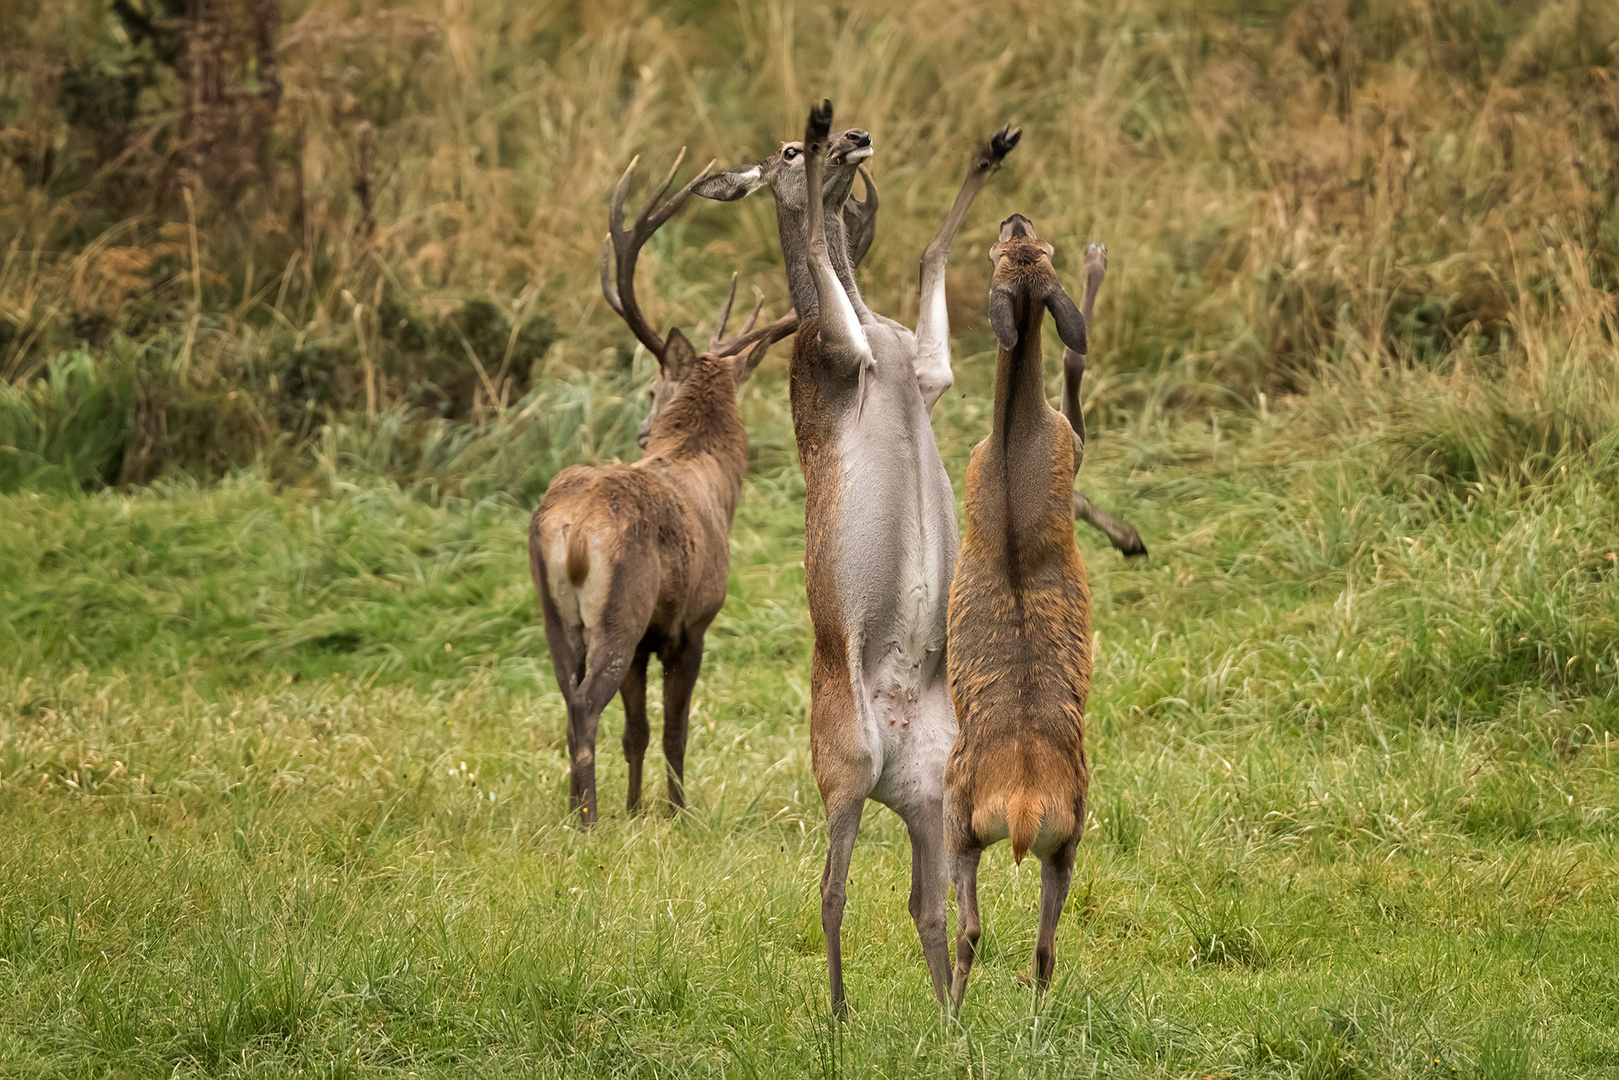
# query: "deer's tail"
[[578, 564], [1023, 813]]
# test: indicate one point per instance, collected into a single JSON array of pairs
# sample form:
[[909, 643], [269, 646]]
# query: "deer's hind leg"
[[608, 661], [1056, 873], [843, 812], [845, 771], [925, 824], [969, 929], [681, 665], [637, 732]]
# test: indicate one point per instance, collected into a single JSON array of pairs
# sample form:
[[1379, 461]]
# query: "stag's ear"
[[732, 184], [1002, 319], [678, 356], [1070, 323]]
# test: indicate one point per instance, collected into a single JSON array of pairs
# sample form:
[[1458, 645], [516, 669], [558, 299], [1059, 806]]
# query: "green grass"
[[281, 760], [282, 784]]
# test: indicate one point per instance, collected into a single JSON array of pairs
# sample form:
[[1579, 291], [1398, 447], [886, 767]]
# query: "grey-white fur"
[[887, 563]]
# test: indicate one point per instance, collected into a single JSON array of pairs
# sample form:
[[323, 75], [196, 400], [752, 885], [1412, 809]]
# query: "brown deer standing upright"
[[631, 560], [1020, 655]]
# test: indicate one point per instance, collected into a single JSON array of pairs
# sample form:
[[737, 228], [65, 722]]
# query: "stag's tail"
[[578, 563]]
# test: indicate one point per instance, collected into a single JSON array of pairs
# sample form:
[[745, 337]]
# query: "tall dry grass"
[[1290, 194]]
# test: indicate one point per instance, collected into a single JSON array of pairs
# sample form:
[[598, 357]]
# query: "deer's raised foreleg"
[[933, 375], [1120, 534], [842, 342]]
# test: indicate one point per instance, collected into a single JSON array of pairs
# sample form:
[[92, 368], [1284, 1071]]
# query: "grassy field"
[[282, 774], [282, 770]]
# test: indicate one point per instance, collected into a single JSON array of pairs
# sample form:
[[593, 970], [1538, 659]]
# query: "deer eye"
[[790, 153]]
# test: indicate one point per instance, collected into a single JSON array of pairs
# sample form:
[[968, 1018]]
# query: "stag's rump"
[[612, 550]]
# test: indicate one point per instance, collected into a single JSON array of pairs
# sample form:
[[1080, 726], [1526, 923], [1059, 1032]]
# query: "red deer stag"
[[632, 560], [1020, 655]]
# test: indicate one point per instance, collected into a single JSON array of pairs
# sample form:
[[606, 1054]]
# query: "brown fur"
[[660, 531], [578, 558], [1020, 658]]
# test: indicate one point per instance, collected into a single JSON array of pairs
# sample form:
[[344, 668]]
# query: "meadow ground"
[[299, 316], [282, 779]]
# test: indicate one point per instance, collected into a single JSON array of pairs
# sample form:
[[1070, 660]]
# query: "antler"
[[760, 339], [620, 249]]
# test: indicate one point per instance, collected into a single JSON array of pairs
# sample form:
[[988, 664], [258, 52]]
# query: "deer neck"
[[1020, 393], [701, 432], [793, 225]]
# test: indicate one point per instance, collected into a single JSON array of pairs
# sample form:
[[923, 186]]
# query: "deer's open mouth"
[[859, 153]]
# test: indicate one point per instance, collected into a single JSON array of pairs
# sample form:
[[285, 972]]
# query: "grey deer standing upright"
[[850, 228], [631, 560], [1020, 645], [879, 522]]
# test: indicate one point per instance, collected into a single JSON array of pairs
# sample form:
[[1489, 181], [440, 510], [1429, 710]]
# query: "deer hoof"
[[1002, 142], [820, 122]]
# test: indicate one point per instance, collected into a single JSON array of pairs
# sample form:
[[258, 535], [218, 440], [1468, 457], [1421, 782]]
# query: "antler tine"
[[763, 337], [717, 337], [653, 215], [609, 286], [758, 306], [625, 246], [615, 213]]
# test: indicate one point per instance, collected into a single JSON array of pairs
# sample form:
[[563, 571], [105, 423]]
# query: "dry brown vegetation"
[[282, 766], [255, 220]]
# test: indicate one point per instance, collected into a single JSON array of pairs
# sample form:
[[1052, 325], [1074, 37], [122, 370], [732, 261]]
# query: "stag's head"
[[677, 360], [783, 173]]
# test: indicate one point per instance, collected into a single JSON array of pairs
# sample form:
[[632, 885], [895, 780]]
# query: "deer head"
[[676, 357], [783, 173], [1023, 260]]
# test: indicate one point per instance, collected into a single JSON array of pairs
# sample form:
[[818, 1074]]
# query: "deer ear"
[[678, 356], [1002, 319], [1070, 323], [732, 184]]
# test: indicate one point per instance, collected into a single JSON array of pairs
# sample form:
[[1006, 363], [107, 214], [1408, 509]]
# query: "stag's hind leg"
[[681, 665], [637, 732], [607, 663]]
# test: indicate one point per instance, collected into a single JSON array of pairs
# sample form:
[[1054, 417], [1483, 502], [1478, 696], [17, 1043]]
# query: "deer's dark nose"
[[1015, 226], [858, 138]]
